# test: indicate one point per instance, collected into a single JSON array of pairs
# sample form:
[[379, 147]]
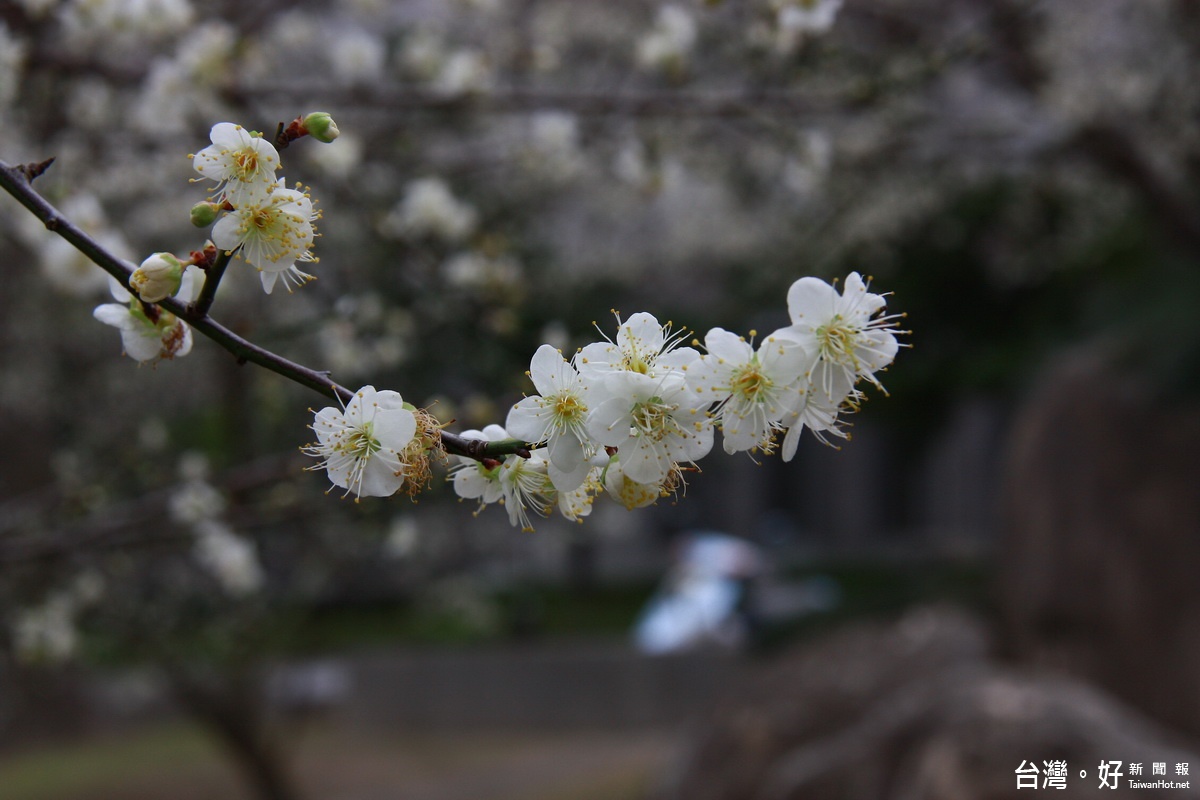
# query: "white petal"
[[546, 370], [226, 234], [379, 479], [725, 346], [783, 359], [609, 422], [528, 420], [566, 453], [394, 427], [644, 462], [642, 331], [568, 480], [116, 315], [811, 301]]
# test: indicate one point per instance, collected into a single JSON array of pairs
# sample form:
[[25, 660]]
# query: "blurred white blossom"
[[356, 55], [669, 44], [341, 160], [429, 208], [47, 632], [553, 144], [423, 53], [403, 537], [475, 270], [125, 20], [463, 72], [195, 501], [229, 558]]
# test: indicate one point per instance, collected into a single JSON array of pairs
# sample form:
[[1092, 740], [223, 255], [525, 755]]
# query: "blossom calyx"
[[158, 277], [320, 126]]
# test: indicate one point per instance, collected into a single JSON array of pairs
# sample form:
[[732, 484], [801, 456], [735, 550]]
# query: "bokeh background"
[[999, 567]]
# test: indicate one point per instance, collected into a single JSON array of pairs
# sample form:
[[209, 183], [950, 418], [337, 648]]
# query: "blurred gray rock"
[[1100, 558], [912, 711]]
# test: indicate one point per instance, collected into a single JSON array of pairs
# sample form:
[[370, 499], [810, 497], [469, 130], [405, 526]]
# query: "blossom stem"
[[16, 181], [212, 279]]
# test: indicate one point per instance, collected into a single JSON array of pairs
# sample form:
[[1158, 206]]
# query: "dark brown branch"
[[212, 279]]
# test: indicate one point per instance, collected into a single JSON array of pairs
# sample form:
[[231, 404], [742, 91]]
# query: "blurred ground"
[[179, 763]]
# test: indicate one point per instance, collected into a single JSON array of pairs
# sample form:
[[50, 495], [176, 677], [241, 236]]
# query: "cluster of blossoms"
[[628, 417], [269, 225]]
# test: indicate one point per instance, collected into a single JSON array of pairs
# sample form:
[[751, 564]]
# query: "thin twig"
[[212, 279]]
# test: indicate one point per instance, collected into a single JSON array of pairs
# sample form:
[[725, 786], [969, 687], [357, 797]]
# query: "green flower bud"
[[157, 278], [204, 214], [321, 126]]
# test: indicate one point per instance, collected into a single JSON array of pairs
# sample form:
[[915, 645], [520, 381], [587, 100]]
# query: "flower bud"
[[157, 278], [205, 213], [321, 127]]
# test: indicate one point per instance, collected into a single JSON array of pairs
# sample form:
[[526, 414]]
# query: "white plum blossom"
[[148, 334], [525, 486], [243, 165], [361, 447], [556, 414], [477, 480], [822, 398], [842, 331], [274, 232], [158, 277], [577, 503], [625, 490], [522, 485], [753, 389], [642, 346], [655, 424]]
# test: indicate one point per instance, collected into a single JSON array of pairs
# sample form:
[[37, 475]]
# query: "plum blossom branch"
[[16, 181]]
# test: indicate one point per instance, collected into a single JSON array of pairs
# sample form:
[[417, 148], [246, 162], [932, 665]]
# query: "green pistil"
[[749, 382], [568, 409], [836, 339], [247, 164], [361, 443], [652, 417]]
